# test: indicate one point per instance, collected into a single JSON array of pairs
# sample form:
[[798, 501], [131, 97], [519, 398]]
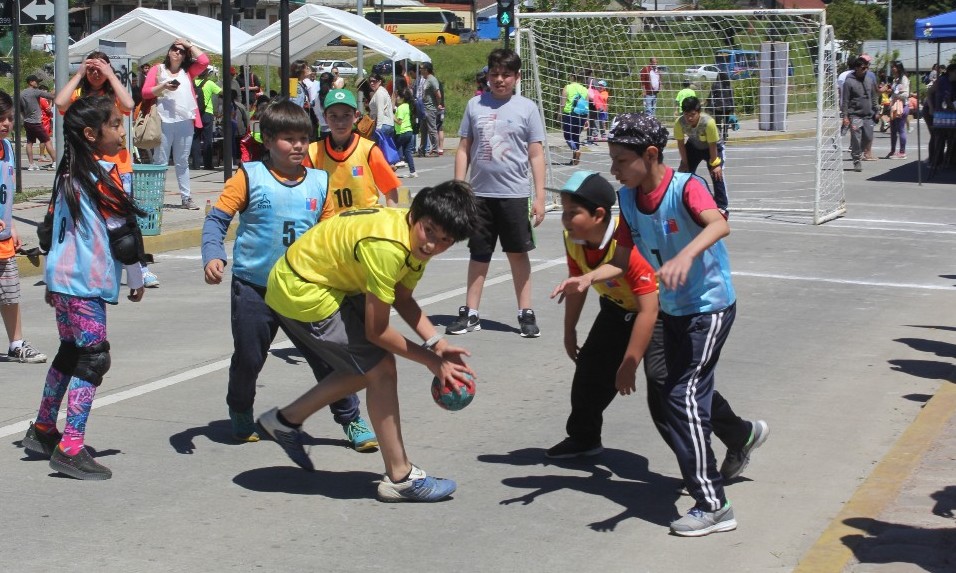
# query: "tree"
[[853, 23]]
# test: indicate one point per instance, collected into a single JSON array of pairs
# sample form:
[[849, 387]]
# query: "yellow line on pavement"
[[830, 554]]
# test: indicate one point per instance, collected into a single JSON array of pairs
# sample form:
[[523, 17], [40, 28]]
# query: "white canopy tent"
[[312, 27], [148, 33]]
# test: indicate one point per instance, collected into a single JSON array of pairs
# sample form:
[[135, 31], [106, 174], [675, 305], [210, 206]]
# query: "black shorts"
[[507, 218], [35, 132]]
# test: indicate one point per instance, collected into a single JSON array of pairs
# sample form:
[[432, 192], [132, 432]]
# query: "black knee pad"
[[66, 357], [482, 258], [93, 363]]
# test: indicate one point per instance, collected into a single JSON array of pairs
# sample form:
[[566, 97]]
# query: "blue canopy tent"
[[936, 29]]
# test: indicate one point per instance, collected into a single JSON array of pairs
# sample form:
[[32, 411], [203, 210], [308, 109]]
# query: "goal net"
[[783, 150]]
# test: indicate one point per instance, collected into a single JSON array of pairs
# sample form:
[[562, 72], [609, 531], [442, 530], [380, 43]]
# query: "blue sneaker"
[[150, 280], [288, 438], [360, 436], [418, 487], [243, 426]]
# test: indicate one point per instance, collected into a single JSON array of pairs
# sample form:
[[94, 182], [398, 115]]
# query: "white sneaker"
[[34, 167], [400, 164], [408, 175], [418, 487]]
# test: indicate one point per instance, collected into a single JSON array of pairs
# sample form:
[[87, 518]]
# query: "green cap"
[[335, 97]]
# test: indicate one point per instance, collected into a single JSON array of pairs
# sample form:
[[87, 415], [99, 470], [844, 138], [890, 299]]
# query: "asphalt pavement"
[[845, 343]]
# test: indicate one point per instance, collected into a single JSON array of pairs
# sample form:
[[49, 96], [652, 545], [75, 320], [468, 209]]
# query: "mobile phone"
[[175, 82]]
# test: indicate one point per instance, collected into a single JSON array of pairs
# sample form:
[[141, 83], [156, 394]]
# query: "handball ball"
[[453, 399]]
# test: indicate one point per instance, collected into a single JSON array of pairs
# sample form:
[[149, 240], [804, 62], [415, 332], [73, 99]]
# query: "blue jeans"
[[571, 126], [254, 326], [405, 143], [650, 104]]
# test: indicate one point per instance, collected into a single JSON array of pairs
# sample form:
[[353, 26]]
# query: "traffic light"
[[506, 13]]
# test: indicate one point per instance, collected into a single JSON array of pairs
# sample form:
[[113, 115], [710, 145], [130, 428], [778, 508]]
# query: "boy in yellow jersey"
[[333, 291], [356, 167], [277, 200]]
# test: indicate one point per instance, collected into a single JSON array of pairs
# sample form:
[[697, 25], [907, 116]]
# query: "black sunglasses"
[[180, 50]]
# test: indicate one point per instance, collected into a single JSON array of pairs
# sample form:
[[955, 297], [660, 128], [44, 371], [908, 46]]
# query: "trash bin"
[[149, 187]]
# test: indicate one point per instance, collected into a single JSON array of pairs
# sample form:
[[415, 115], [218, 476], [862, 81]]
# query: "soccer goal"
[[784, 154]]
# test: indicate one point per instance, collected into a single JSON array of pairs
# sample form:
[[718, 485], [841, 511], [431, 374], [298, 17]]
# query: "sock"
[[404, 479], [79, 402], [16, 344], [53, 390], [472, 312], [284, 421]]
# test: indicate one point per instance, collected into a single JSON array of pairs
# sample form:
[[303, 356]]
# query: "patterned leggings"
[[82, 322]]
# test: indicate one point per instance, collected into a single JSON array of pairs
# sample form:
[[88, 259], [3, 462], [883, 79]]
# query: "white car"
[[706, 72], [345, 68]]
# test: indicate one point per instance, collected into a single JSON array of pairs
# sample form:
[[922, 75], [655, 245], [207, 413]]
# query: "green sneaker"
[[243, 426], [360, 436]]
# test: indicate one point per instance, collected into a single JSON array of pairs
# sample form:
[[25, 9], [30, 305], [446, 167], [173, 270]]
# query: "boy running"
[[356, 167], [334, 290], [672, 219], [277, 201]]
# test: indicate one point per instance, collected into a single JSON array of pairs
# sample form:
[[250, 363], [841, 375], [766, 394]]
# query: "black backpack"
[[201, 96]]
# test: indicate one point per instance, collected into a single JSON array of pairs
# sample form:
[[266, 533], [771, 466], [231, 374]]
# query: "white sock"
[[472, 312], [16, 344]]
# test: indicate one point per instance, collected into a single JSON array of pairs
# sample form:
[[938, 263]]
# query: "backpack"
[[201, 96]]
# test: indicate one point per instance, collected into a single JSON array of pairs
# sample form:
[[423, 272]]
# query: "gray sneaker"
[[698, 523], [188, 203], [290, 439], [80, 466], [26, 353], [41, 443], [736, 460]]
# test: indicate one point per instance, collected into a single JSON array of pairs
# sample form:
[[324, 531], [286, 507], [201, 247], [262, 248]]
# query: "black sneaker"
[[41, 443], [528, 324], [26, 353], [464, 323], [571, 448], [80, 466]]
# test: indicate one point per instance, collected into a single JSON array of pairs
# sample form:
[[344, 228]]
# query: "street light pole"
[[889, 36]]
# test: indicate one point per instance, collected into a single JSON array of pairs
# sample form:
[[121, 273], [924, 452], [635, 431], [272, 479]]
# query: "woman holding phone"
[[171, 84]]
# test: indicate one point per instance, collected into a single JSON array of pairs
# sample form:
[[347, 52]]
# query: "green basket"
[[149, 187]]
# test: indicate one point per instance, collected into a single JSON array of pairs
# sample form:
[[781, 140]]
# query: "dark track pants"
[[254, 326], [692, 347]]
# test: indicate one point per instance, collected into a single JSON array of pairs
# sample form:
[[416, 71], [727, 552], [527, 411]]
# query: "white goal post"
[[784, 152]]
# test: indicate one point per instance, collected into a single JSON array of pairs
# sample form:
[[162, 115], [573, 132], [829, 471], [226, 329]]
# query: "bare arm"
[[682, 149], [609, 270], [63, 97], [573, 305], [463, 157], [641, 333], [536, 157]]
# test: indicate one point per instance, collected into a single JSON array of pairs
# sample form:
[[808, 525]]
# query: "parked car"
[[383, 68], [345, 68], [6, 69], [706, 72], [466, 35]]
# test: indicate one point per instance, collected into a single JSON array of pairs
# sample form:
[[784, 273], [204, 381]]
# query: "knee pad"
[[486, 258], [93, 363], [66, 357]]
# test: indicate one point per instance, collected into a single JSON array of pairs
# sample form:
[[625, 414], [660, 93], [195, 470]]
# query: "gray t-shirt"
[[29, 105], [500, 132], [430, 93]]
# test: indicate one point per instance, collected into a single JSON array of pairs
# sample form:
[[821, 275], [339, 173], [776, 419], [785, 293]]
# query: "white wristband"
[[431, 342]]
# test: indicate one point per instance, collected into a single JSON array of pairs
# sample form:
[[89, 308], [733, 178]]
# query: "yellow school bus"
[[419, 26]]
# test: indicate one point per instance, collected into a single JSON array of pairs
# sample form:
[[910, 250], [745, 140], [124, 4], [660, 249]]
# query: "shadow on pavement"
[[643, 494], [929, 369], [295, 481], [220, 432], [906, 173], [941, 349], [884, 542], [442, 320]]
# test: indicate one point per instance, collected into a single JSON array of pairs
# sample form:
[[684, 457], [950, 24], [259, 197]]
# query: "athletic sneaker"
[[243, 426], [80, 466], [736, 460], [698, 523], [150, 280], [464, 323], [33, 167], [360, 436], [188, 203], [26, 353], [418, 487], [858, 166], [409, 175], [290, 439], [41, 443], [528, 324], [571, 448]]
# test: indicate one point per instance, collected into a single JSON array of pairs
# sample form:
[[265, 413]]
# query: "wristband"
[[431, 342], [715, 163]]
